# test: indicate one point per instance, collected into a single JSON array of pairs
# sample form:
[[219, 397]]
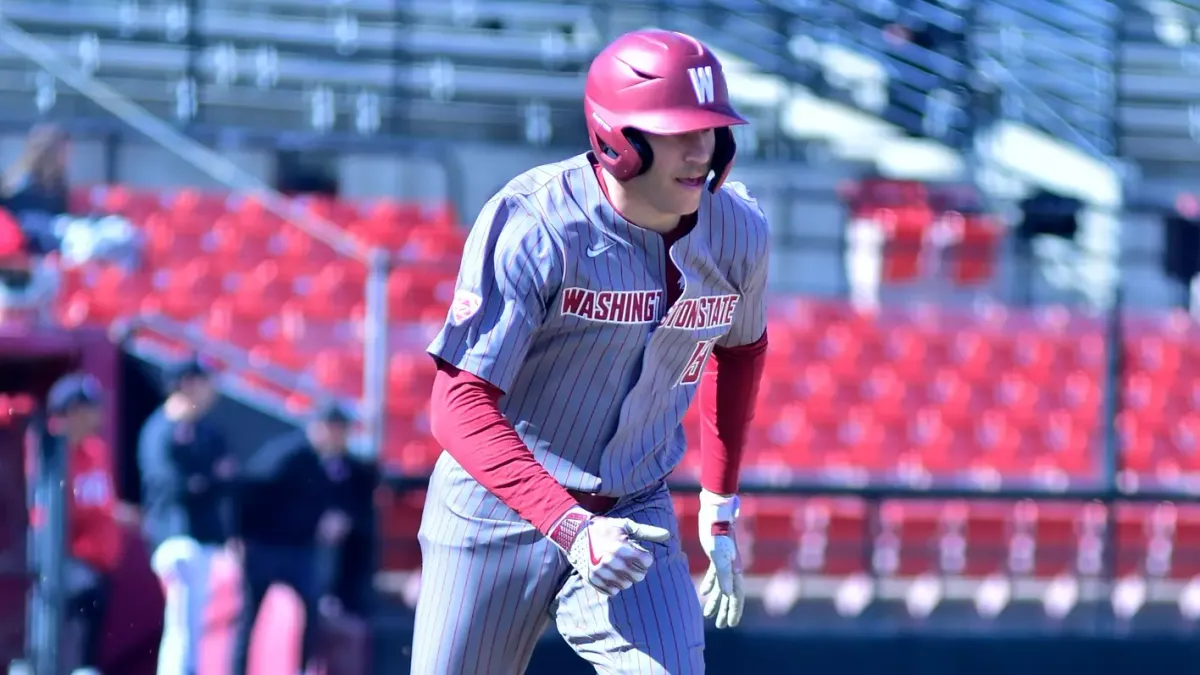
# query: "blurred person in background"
[[33, 192], [185, 469], [347, 567], [304, 517], [93, 529], [1181, 254], [35, 188]]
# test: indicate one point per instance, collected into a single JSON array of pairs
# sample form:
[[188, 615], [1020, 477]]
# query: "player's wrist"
[[718, 512], [568, 527]]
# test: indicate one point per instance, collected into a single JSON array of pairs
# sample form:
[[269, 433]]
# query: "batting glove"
[[723, 581], [605, 551]]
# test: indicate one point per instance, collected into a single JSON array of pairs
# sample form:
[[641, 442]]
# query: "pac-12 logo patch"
[[465, 305]]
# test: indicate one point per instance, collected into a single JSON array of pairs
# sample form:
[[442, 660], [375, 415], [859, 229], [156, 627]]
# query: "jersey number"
[[695, 364]]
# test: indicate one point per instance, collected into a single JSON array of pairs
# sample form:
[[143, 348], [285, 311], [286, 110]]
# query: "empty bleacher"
[[357, 67]]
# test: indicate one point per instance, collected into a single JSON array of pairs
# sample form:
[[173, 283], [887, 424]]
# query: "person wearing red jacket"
[[94, 537]]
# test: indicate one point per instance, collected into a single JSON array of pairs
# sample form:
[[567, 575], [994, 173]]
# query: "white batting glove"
[[723, 581], [605, 551]]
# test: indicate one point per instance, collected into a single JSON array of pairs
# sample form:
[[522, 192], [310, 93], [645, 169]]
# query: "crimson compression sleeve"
[[466, 420], [728, 393]]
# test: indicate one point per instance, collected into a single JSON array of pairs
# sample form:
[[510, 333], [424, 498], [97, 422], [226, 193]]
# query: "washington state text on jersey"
[[632, 307]]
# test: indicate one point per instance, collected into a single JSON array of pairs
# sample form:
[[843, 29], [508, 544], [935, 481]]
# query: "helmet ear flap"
[[723, 153], [640, 145], [615, 152]]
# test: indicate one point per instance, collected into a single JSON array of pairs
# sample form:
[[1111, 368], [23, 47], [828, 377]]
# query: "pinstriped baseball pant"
[[491, 584]]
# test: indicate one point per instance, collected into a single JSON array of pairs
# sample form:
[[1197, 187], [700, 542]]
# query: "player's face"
[[678, 176], [329, 438]]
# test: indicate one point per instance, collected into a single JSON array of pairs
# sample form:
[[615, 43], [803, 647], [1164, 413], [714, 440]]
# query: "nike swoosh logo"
[[597, 250], [592, 553]]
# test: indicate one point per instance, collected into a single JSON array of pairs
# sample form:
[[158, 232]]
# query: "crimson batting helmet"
[[660, 82]]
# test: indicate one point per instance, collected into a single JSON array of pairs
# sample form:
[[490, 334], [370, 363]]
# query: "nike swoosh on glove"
[[605, 551], [723, 581]]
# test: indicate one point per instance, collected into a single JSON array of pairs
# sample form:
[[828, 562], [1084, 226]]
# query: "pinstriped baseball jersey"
[[560, 302]]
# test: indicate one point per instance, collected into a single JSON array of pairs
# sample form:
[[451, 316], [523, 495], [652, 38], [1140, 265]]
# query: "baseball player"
[[95, 544], [185, 467], [591, 294]]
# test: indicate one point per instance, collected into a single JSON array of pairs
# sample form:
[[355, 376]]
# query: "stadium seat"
[[986, 531], [234, 248], [908, 542], [339, 373], [773, 535]]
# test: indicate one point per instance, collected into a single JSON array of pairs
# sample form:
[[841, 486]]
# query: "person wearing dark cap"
[[304, 517], [349, 575], [74, 408], [185, 468]]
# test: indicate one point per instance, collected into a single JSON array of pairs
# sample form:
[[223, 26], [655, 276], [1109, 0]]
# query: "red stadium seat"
[[389, 212], [932, 441], [908, 542], [253, 216], [339, 373], [413, 291], [187, 292], [386, 233], [833, 537], [114, 292], [224, 323], [298, 249], [168, 245], [772, 522], [410, 379], [986, 529], [234, 248], [333, 292], [434, 244]]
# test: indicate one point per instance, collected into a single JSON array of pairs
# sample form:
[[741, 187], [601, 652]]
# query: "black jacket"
[[285, 488], [169, 458]]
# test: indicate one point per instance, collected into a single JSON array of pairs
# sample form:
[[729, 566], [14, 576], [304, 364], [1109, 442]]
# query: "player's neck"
[[634, 209]]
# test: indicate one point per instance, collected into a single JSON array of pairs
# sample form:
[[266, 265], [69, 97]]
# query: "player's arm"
[[729, 387], [511, 270], [728, 394], [467, 421]]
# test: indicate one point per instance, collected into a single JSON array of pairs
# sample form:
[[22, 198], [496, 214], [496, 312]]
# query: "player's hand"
[[333, 527], [723, 581], [605, 551]]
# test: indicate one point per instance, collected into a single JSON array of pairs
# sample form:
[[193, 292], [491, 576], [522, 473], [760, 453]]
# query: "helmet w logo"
[[702, 84]]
